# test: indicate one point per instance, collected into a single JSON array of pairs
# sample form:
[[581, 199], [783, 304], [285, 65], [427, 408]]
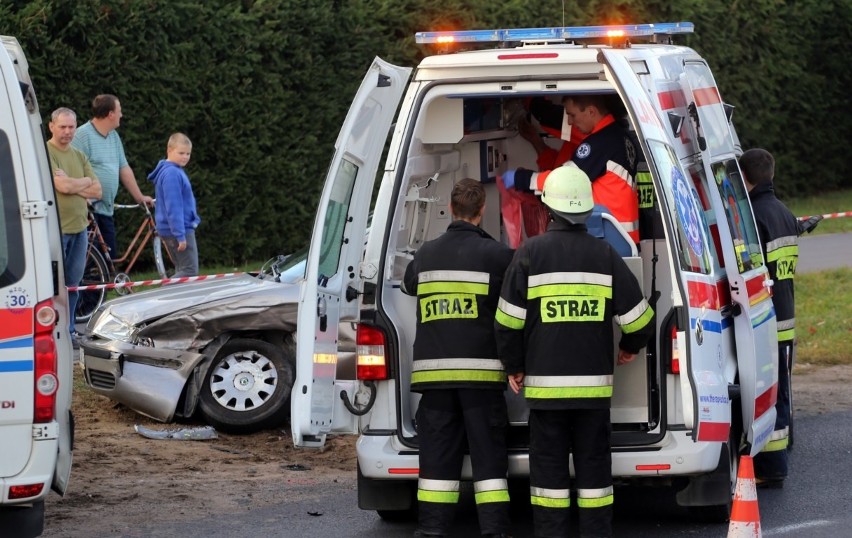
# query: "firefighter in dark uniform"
[[554, 337], [457, 279], [778, 230], [607, 155]]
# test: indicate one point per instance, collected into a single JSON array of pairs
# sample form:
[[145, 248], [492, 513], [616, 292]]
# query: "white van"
[[703, 391], [36, 362]]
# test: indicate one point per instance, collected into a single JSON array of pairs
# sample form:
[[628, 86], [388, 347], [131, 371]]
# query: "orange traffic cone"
[[745, 517]]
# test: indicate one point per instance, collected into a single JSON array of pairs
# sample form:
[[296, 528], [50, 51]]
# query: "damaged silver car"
[[222, 348]]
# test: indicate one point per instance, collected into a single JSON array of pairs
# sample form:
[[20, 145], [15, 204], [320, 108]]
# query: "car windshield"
[[291, 268]]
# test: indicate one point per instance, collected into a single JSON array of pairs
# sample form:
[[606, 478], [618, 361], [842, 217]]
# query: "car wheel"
[[247, 387]]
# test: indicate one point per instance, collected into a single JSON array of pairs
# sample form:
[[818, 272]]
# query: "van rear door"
[[748, 277], [703, 387], [330, 291]]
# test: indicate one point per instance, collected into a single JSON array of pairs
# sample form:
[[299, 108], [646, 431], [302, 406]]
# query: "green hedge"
[[261, 87]]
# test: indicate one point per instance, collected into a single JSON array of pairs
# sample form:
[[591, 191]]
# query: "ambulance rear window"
[[11, 239], [682, 203]]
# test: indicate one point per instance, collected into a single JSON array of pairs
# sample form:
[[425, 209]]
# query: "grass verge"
[[824, 317], [833, 202]]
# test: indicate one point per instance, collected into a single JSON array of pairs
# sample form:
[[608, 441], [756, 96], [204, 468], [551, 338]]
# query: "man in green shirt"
[[75, 183]]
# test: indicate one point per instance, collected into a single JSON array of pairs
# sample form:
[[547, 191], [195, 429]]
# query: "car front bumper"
[[147, 380]]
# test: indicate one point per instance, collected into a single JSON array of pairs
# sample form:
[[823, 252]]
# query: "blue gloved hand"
[[509, 178]]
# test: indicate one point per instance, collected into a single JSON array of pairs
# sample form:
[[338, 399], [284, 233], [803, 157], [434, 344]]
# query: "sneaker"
[[769, 483]]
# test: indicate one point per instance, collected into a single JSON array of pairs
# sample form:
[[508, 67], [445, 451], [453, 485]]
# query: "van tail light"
[[372, 360], [46, 375], [674, 364], [26, 490]]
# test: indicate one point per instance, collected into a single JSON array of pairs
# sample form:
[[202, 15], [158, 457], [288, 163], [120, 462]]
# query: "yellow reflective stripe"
[[781, 252], [508, 321], [494, 496], [438, 376], [774, 446], [447, 497], [640, 322], [426, 288], [547, 502], [594, 503], [786, 335], [567, 392], [549, 290]]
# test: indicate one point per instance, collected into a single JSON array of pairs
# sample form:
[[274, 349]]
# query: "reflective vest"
[[554, 319], [457, 279]]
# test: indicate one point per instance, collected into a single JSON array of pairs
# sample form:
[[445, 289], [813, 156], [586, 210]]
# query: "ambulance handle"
[[730, 310]]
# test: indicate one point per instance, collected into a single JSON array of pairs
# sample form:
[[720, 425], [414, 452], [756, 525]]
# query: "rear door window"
[[11, 241]]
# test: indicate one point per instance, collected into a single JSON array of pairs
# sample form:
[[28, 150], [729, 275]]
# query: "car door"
[[704, 388], [748, 278], [330, 291]]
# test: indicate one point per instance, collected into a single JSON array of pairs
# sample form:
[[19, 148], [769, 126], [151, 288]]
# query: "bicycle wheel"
[[159, 259], [95, 273]]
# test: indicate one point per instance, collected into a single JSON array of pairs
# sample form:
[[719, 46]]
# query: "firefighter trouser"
[[771, 462], [585, 433], [445, 419]]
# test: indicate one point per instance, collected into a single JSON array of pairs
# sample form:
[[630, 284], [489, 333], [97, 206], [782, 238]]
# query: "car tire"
[[247, 387], [27, 521]]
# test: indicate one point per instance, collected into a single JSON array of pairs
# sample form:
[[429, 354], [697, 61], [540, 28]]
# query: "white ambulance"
[[36, 362], [703, 391]]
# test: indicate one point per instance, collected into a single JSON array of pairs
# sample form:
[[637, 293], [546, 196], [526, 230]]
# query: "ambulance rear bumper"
[[384, 457]]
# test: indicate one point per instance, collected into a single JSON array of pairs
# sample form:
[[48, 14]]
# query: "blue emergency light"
[[566, 33]]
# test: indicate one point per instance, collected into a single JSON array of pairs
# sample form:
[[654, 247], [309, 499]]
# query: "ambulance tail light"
[[674, 364], [46, 374], [372, 360]]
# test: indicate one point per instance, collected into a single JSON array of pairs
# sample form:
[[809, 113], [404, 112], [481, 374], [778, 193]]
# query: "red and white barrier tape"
[[179, 280], [830, 215]]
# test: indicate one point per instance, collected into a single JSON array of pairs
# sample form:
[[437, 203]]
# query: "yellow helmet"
[[568, 192]]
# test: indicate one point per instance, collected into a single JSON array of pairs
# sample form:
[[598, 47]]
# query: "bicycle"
[[101, 269]]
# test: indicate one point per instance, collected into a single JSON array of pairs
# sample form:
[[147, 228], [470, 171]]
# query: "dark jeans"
[[107, 226]]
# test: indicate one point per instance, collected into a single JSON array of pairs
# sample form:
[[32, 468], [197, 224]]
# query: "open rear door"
[[329, 293], [748, 277], [704, 388]]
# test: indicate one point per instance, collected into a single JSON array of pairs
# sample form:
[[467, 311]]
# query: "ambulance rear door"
[[748, 278], [330, 291], [704, 389]]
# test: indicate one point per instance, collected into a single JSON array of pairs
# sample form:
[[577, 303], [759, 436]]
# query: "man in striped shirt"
[[100, 142]]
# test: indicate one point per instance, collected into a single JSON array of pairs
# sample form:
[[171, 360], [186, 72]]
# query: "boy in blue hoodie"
[[175, 214]]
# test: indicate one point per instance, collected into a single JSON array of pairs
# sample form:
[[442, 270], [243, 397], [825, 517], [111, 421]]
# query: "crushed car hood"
[[188, 316]]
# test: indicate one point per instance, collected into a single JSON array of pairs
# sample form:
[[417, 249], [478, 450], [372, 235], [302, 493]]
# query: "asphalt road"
[[814, 503], [821, 252]]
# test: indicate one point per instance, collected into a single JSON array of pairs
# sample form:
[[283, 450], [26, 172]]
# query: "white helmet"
[[568, 193]]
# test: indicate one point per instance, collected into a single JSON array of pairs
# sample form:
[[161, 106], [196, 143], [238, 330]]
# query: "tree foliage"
[[262, 86]]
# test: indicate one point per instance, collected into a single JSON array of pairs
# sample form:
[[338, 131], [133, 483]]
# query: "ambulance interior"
[[475, 135]]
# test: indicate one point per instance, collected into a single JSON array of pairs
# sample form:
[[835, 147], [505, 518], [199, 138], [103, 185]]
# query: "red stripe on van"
[[671, 99], [707, 96], [529, 56], [765, 401], [16, 322], [757, 292], [702, 294], [713, 431]]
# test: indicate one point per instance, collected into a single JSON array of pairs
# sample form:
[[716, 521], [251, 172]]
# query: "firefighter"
[[457, 279], [607, 154], [778, 230], [554, 337]]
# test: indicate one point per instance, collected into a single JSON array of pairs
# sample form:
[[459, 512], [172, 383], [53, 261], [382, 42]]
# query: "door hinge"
[[34, 210]]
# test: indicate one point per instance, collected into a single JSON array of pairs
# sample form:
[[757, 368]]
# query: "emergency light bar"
[[555, 33]]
